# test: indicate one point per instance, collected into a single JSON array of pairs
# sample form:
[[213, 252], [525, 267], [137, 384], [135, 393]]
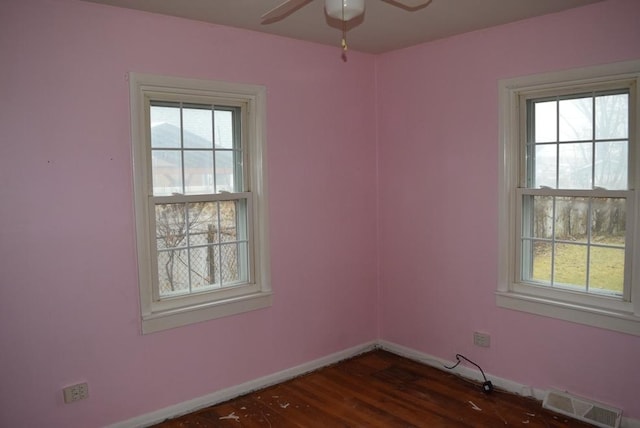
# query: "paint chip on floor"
[[231, 415], [474, 407]]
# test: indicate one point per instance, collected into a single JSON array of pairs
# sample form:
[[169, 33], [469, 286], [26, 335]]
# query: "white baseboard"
[[263, 382], [244, 388], [629, 423], [473, 374], [466, 372]]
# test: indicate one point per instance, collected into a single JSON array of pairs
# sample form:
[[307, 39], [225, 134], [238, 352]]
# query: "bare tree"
[[174, 222]]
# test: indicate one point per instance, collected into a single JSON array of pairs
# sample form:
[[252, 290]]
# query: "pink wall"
[[438, 163], [68, 294]]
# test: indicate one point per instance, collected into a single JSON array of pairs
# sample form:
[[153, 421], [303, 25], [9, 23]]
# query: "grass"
[[606, 265]]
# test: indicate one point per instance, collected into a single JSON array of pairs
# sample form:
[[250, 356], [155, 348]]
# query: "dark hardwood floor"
[[375, 389]]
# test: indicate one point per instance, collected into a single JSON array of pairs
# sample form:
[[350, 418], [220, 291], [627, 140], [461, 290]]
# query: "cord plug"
[[487, 386]]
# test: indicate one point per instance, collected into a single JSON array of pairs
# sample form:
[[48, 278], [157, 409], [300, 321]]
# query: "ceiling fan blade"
[[283, 10], [410, 5]]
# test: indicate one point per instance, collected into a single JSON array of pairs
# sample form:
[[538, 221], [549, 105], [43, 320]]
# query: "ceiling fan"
[[343, 10]]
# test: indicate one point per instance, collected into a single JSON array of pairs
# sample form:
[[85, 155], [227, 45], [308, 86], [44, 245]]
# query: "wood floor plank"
[[375, 390]]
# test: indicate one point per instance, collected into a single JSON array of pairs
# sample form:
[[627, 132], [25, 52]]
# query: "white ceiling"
[[383, 27]]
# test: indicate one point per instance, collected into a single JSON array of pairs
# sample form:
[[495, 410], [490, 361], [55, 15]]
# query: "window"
[[569, 184], [200, 199]]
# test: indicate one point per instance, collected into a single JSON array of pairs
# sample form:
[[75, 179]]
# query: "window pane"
[[227, 172], [203, 218], [545, 166], [609, 221], [542, 214], [173, 275], [197, 133], [165, 127], [576, 119], [228, 218], [571, 219], [243, 262], [570, 265], [575, 166], [612, 116], [167, 172], [224, 132], [611, 165], [229, 255], [198, 171], [171, 225], [546, 122], [203, 263], [213, 258], [541, 262], [606, 270]]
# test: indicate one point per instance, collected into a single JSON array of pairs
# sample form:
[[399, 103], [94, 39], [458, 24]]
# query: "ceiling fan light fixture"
[[344, 10]]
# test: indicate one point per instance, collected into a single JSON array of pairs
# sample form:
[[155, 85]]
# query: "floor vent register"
[[583, 409]]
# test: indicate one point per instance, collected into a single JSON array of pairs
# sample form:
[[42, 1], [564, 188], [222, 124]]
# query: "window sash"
[[526, 100], [519, 282], [245, 262], [240, 153]]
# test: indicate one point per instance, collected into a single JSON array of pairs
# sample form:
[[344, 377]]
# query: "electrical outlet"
[[76, 392], [481, 339]]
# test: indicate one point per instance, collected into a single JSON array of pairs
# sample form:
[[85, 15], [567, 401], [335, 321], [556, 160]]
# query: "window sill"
[[623, 322], [172, 318]]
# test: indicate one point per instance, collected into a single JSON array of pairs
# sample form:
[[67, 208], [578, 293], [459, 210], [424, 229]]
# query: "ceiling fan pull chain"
[[344, 37], [344, 30]]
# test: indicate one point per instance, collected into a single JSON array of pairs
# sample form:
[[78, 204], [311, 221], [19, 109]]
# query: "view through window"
[[574, 224], [196, 150]]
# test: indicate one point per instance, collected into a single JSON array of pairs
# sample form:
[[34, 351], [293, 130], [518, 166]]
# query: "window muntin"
[[573, 226], [200, 199]]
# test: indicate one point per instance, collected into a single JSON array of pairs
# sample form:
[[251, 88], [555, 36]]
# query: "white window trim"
[[594, 311], [156, 315]]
